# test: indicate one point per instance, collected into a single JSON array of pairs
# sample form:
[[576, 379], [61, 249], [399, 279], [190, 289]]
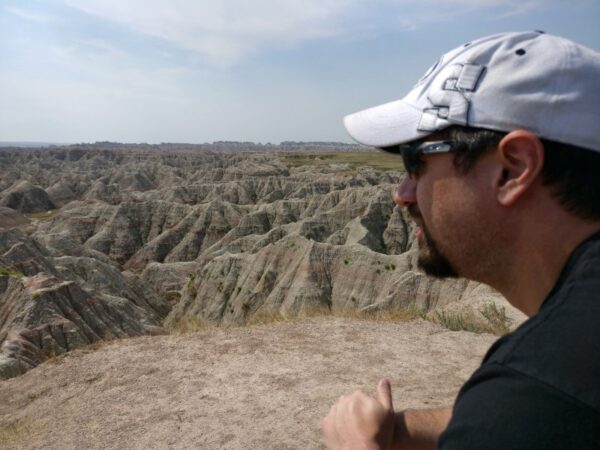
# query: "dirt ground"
[[260, 387]]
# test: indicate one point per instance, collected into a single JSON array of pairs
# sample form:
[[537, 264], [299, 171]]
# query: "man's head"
[[534, 81], [515, 113]]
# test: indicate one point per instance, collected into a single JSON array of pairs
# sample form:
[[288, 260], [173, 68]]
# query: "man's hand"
[[360, 422]]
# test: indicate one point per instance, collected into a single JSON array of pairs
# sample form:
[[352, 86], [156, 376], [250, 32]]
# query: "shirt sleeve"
[[500, 408]]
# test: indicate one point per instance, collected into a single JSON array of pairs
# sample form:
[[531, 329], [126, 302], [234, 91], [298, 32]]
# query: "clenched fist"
[[361, 422]]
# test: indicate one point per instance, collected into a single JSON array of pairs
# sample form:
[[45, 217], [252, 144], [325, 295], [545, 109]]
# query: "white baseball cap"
[[532, 80]]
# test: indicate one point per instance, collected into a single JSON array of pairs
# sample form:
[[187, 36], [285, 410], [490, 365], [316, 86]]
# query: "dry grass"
[[495, 320], [496, 317], [491, 318], [376, 159], [190, 324], [11, 434], [44, 215], [106, 340], [59, 358], [172, 297]]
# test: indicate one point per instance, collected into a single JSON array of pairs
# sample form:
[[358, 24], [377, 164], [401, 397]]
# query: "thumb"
[[384, 394]]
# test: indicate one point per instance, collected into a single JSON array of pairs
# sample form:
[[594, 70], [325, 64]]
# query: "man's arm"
[[359, 421], [419, 429]]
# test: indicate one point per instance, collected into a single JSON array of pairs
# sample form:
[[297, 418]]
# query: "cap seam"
[[551, 119]]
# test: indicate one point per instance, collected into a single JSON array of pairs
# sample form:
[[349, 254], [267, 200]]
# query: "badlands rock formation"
[[128, 240], [26, 198]]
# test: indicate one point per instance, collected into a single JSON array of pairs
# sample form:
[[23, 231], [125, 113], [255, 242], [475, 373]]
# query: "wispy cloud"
[[103, 65], [224, 31], [101, 48], [31, 15], [418, 13], [227, 31]]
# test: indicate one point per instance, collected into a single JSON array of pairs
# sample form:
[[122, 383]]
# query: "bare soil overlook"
[[104, 242], [263, 387]]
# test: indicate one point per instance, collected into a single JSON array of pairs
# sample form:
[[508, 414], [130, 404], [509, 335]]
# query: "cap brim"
[[385, 125]]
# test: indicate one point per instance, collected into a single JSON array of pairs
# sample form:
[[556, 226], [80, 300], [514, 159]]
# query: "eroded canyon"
[[102, 242]]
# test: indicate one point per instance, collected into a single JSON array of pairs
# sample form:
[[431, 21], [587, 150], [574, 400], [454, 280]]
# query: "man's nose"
[[405, 194]]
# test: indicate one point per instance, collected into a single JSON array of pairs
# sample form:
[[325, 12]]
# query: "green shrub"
[[4, 271]]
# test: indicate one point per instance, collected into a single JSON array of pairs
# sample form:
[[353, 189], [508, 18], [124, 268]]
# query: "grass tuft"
[[494, 320], [191, 324], [172, 297], [458, 322], [496, 317], [44, 215], [5, 271], [12, 433]]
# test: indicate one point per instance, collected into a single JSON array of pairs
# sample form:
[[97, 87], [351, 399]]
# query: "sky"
[[263, 70]]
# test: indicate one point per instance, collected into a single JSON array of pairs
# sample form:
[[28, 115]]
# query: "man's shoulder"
[[559, 346], [501, 408]]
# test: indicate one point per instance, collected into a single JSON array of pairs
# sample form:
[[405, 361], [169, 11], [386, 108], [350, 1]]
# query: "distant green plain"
[[356, 160]]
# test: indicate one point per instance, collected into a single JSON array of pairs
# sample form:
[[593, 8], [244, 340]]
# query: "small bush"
[[497, 318], [45, 215], [191, 285], [171, 297], [191, 280], [5, 271]]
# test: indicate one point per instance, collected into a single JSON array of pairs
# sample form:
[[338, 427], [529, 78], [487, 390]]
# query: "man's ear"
[[521, 156]]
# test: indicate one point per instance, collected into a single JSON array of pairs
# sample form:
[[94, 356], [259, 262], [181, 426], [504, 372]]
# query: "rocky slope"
[[50, 306]]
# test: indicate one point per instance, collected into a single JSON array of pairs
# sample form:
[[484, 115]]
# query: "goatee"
[[431, 260]]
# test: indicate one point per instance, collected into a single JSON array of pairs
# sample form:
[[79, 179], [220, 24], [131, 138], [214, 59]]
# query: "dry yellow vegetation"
[[356, 160]]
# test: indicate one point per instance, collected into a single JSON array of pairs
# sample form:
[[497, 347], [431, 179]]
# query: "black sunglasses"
[[412, 152]]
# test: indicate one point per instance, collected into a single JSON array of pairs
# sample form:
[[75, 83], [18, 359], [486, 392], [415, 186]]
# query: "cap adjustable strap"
[[469, 77]]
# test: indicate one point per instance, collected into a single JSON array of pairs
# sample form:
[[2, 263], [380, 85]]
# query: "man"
[[501, 143]]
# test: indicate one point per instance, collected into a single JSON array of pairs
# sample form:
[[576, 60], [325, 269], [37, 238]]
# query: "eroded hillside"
[[97, 244]]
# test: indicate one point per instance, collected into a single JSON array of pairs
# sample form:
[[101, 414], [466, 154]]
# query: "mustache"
[[414, 213]]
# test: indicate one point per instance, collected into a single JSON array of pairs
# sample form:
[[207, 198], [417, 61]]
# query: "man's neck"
[[536, 261]]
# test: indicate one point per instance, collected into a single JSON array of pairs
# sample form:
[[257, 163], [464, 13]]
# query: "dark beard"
[[431, 260]]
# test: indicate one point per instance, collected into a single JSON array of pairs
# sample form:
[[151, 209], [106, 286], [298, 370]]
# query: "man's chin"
[[432, 262], [438, 268]]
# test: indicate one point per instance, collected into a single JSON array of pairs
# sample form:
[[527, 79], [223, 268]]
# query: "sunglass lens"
[[411, 157]]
